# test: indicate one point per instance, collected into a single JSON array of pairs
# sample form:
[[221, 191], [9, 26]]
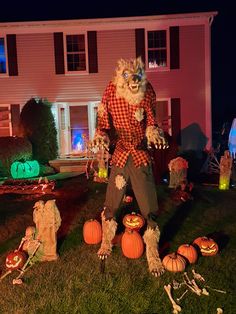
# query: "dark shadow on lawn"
[[220, 238], [172, 226]]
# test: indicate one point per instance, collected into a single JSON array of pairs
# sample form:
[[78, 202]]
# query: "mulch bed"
[[69, 197], [27, 186]]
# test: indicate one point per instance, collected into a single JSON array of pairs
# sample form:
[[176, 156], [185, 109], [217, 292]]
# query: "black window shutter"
[[59, 53], [174, 47], [176, 120], [15, 119], [92, 52], [12, 55], [140, 43]]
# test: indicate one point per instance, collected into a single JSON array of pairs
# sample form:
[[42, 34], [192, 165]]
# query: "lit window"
[[3, 68], [75, 53], [157, 49]]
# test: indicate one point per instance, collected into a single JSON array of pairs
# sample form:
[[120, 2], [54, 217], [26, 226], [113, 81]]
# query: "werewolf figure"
[[127, 108]]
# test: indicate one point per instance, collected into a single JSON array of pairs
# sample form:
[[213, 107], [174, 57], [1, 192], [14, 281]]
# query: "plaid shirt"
[[130, 122]]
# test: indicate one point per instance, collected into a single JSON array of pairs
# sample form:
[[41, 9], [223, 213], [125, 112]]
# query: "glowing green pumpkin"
[[22, 170]]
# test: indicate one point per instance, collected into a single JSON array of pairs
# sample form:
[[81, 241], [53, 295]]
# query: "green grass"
[[75, 283]]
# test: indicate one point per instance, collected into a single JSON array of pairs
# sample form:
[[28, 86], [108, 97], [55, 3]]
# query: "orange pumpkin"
[[174, 262], [132, 244], [92, 232], [189, 252], [133, 221], [15, 260], [207, 246]]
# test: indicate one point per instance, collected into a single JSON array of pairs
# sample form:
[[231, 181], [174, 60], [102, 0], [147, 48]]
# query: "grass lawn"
[[75, 283]]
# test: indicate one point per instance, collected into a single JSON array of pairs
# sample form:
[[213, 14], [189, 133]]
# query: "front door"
[[76, 124]]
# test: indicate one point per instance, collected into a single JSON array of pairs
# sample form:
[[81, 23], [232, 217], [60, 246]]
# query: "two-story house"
[[70, 62]]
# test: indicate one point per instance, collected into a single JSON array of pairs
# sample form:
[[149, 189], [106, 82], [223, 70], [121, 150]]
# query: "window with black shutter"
[[159, 48], [76, 53], [8, 55], [12, 55], [174, 48]]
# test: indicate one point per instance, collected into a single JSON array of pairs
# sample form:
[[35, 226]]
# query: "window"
[[157, 49], [76, 53], [3, 61]]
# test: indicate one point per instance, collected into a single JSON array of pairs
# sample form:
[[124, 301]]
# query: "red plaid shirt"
[[130, 122]]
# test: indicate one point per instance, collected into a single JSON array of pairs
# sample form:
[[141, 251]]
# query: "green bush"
[[12, 149], [38, 125]]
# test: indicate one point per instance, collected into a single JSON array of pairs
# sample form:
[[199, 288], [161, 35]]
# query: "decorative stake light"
[[225, 170]]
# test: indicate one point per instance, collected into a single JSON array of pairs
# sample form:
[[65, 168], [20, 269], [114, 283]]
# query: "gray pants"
[[143, 185]]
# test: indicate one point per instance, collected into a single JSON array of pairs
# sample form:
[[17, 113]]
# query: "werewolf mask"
[[130, 80]]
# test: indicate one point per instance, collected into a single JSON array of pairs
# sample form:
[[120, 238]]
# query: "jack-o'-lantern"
[[174, 262], [92, 232], [132, 244], [15, 260], [207, 246], [133, 221], [189, 252]]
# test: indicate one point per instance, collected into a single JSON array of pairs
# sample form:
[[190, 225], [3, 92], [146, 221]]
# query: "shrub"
[[13, 149], [38, 125]]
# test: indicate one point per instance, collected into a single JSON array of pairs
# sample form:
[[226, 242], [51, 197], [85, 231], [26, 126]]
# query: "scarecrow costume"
[[127, 107]]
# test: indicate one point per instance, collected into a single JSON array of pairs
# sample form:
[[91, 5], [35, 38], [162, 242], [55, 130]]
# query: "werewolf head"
[[130, 80]]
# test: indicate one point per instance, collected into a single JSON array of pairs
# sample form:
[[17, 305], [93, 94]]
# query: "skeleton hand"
[[156, 137], [99, 142]]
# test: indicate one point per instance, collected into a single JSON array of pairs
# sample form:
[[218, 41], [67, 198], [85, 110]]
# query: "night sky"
[[223, 33]]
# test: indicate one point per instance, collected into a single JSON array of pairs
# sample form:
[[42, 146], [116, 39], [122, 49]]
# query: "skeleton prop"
[[176, 307], [29, 262]]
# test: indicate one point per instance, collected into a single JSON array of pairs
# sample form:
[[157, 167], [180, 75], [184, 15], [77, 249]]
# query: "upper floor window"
[[76, 52], [3, 61], [157, 49]]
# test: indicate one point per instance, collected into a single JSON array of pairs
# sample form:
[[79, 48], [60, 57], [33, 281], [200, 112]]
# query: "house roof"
[[108, 23], [25, 10]]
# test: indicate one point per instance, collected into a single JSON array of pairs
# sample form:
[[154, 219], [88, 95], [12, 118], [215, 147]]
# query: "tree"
[[38, 125]]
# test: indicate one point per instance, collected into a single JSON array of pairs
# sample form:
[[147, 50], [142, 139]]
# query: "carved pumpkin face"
[[207, 246], [133, 221], [15, 260]]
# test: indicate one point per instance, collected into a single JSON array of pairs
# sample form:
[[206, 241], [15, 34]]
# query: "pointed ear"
[[121, 63], [140, 62]]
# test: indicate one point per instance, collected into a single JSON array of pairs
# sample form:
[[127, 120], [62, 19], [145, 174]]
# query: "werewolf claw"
[[158, 271]]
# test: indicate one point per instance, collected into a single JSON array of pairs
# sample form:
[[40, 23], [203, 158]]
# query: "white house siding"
[[37, 76], [187, 83]]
